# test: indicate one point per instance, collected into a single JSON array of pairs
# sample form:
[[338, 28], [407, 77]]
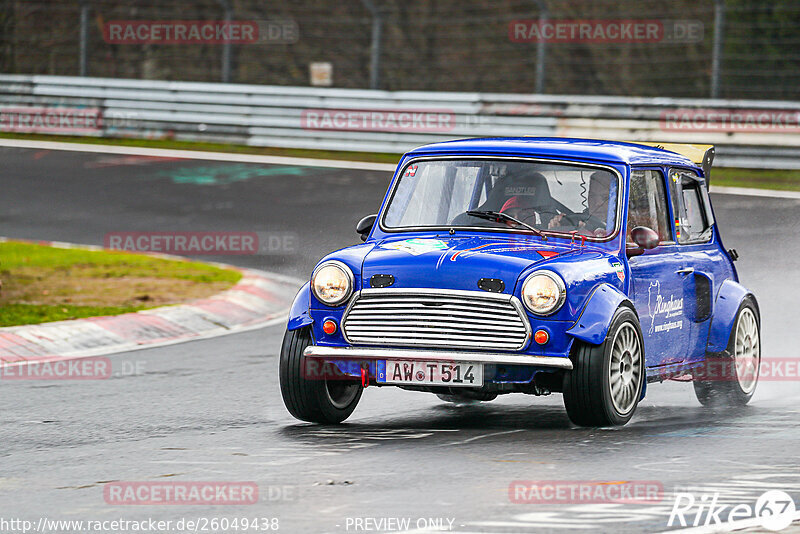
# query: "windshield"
[[553, 198]]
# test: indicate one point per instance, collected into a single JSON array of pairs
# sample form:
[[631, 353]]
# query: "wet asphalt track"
[[211, 410]]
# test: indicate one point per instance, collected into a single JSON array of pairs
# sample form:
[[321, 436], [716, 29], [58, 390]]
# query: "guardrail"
[[748, 133]]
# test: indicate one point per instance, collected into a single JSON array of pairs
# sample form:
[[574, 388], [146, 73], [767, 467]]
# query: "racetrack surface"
[[211, 410]]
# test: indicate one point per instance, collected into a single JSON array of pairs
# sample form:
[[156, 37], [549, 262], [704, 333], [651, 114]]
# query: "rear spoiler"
[[702, 155]]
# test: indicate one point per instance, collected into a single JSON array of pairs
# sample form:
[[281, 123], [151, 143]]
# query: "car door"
[[657, 285], [703, 263]]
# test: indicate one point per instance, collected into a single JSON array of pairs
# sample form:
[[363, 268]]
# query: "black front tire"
[[587, 387], [317, 400]]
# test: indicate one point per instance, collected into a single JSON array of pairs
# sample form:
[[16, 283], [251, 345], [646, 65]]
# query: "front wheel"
[[605, 384], [317, 400], [731, 380]]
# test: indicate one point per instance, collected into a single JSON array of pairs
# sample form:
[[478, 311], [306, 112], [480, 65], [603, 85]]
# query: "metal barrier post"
[[84, 40], [541, 49], [716, 58], [375, 49]]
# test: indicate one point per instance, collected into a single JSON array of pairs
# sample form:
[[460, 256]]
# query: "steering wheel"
[[593, 222], [569, 217]]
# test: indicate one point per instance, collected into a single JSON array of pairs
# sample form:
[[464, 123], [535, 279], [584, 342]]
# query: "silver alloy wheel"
[[341, 393], [625, 369], [747, 351]]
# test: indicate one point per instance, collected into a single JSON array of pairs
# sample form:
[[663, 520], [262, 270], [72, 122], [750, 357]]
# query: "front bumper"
[[490, 358]]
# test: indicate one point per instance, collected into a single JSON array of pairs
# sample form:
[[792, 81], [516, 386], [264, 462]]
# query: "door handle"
[[686, 270]]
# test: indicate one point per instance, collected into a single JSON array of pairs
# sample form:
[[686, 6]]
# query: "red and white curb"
[[259, 299]]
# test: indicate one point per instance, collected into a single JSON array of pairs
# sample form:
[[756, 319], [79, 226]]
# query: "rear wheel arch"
[[720, 382], [727, 303]]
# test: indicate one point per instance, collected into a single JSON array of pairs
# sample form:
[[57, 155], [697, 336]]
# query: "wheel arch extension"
[[726, 306], [298, 313], [595, 319]]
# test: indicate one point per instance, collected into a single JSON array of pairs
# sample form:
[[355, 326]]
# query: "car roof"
[[559, 148]]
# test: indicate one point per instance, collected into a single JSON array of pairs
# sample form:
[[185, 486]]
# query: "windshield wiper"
[[499, 216]]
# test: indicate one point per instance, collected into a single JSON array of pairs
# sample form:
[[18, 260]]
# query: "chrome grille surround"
[[436, 318]]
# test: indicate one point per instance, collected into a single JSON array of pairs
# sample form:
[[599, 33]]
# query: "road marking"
[[481, 437], [196, 154], [286, 160]]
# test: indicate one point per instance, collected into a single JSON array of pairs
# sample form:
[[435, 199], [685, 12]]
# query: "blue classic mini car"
[[531, 265]]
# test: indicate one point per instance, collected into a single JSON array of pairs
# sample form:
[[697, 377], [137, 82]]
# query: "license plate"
[[454, 374]]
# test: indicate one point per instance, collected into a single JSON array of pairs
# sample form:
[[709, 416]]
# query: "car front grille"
[[436, 318]]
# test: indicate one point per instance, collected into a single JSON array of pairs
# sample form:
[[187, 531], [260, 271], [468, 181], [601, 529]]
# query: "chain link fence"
[[676, 48]]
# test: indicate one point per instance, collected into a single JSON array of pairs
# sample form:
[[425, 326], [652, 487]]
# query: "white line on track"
[[305, 162], [481, 437], [196, 154]]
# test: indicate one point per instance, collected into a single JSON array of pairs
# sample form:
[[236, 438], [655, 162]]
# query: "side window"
[[647, 204], [692, 221]]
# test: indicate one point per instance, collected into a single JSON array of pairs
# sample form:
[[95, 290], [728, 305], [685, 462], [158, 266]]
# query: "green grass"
[[42, 283], [19, 314], [788, 180], [108, 264]]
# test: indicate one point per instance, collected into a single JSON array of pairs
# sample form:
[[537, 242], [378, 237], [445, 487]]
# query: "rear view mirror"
[[646, 238], [364, 226]]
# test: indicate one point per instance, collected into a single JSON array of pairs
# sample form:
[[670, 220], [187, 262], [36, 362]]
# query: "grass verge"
[[42, 283], [788, 180]]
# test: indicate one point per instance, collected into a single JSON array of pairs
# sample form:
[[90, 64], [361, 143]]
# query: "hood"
[[454, 262]]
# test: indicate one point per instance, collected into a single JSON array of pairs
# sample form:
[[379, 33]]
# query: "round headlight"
[[332, 283], [543, 292]]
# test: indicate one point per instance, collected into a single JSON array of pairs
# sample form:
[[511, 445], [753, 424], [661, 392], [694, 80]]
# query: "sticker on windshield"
[[418, 246]]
